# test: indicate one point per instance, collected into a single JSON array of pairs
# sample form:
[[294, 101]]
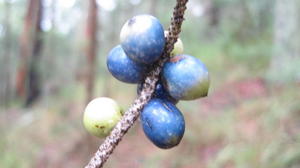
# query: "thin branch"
[[130, 116]]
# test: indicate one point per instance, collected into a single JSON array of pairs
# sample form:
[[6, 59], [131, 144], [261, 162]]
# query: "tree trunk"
[[28, 79], [34, 81], [153, 7], [91, 48], [213, 13], [7, 89], [115, 19], [285, 62]]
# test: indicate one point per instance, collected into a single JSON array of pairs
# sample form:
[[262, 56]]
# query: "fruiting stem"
[[130, 116]]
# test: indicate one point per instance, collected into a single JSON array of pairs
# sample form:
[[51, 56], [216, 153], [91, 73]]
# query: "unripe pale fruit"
[[185, 77], [142, 38], [123, 68], [162, 123], [101, 115], [178, 46]]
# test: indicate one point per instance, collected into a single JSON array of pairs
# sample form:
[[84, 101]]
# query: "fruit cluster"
[[183, 77]]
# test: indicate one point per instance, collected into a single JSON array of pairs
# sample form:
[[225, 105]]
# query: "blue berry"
[[185, 77], [123, 68], [162, 123], [160, 93], [142, 38]]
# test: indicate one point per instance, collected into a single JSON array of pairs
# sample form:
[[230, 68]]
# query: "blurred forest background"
[[53, 60]]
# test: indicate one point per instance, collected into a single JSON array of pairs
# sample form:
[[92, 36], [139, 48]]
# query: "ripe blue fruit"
[[142, 38], [123, 68], [185, 77], [160, 93], [162, 123]]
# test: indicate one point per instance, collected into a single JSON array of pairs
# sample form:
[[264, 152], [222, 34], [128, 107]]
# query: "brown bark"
[[91, 48], [27, 79]]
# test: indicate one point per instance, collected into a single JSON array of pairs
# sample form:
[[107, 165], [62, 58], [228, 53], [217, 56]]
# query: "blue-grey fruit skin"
[[123, 68], [142, 38], [160, 93], [162, 123], [185, 78]]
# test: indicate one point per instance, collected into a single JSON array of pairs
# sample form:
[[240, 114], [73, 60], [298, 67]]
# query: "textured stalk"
[[130, 116]]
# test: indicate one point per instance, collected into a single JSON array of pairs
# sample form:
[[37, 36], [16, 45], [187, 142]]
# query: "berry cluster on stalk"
[[183, 77]]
